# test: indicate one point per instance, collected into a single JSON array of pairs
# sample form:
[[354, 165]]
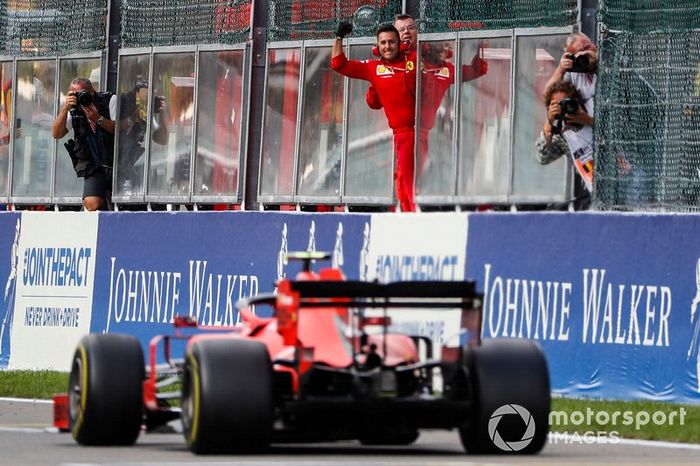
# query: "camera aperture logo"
[[506, 410]]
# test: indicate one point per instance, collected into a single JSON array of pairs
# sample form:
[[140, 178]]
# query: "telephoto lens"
[[581, 64], [569, 105], [84, 98]]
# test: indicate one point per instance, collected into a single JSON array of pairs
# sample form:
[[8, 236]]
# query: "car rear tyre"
[[227, 396], [105, 390], [507, 378]]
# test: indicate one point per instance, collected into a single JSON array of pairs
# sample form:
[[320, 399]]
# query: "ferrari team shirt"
[[395, 83]]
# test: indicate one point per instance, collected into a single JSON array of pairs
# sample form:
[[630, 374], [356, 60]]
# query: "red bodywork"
[[307, 334], [314, 336]]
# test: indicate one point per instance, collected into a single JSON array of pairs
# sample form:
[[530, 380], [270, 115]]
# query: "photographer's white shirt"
[[580, 141], [585, 83], [112, 112]]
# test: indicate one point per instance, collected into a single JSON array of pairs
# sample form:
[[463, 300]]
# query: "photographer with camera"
[[567, 132], [578, 65], [569, 127], [133, 124], [91, 116]]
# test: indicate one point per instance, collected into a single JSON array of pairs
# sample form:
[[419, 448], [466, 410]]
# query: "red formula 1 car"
[[326, 366]]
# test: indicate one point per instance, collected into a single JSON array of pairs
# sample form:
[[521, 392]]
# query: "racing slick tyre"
[[509, 386], [105, 390], [227, 396]]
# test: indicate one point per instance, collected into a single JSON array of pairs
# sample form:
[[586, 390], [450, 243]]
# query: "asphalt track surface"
[[26, 438]]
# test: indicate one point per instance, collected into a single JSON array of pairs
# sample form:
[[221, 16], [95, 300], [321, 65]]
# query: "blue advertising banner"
[[151, 266], [612, 298], [10, 229]]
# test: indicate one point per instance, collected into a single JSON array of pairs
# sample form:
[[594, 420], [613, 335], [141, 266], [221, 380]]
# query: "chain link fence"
[[440, 16], [148, 23], [50, 27], [318, 19], [62, 27], [647, 128]]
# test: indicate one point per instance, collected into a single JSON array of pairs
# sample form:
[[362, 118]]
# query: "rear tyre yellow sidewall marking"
[[83, 392], [194, 426]]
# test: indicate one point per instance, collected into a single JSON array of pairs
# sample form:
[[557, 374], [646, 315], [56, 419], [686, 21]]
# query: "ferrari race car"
[[328, 365]]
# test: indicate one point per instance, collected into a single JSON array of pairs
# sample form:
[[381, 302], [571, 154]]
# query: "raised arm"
[[344, 28], [340, 63], [476, 69], [565, 64], [58, 127]]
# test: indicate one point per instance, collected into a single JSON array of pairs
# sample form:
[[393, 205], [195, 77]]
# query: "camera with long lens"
[[84, 98], [581, 64], [567, 106], [77, 148]]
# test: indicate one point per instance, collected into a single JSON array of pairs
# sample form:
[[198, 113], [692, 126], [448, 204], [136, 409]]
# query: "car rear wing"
[[418, 294], [293, 295]]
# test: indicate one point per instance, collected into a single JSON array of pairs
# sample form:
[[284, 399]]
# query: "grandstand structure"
[[255, 118]]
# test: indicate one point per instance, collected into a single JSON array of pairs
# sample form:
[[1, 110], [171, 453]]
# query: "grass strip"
[[645, 420], [32, 384]]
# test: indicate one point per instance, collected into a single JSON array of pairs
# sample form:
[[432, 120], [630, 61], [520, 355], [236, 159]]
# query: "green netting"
[[440, 16], [642, 16], [647, 129], [148, 23], [318, 19], [51, 27]]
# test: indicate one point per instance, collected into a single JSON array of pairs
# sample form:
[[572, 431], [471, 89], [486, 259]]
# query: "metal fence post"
[[257, 102], [587, 10], [411, 8], [114, 26]]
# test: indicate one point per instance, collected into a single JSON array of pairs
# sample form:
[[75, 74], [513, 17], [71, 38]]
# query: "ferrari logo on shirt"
[[444, 72], [383, 70], [409, 65]]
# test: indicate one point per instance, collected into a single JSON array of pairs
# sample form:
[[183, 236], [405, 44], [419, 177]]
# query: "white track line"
[[29, 430], [26, 400], [660, 444]]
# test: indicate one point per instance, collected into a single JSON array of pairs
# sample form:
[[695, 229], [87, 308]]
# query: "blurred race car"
[[328, 365]]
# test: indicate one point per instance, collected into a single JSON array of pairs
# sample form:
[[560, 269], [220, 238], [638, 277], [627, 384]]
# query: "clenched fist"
[[344, 28]]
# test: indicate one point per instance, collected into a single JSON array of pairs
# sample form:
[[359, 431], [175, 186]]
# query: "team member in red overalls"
[[437, 75], [394, 80]]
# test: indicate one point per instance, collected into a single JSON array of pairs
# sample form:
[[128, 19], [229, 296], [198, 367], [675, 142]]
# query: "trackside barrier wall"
[[612, 298]]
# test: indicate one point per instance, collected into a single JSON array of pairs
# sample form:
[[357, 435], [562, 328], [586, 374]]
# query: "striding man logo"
[[9, 301], [338, 259], [312, 237], [364, 253], [282, 254], [695, 326]]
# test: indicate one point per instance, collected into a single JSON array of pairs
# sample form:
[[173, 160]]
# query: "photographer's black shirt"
[[96, 145]]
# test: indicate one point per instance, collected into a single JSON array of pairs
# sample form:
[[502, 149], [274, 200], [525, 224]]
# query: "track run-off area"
[[27, 438]]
